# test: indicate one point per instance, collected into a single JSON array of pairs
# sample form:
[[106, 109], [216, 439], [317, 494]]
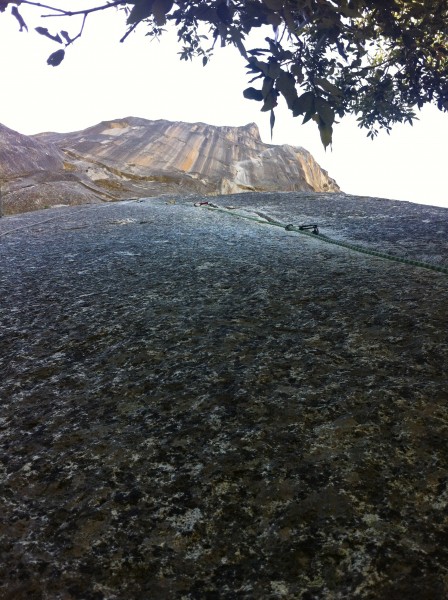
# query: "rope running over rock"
[[324, 238]]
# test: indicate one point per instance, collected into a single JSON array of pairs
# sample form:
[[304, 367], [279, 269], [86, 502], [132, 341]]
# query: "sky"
[[102, 79]]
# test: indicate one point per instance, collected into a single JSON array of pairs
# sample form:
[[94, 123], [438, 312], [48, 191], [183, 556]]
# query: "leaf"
[[274, 4], [66, 37], [160, 8], [272, 122], [258, 65], [324, 111], [274, 19], [326, 134], [268, 84], [297, 71], [237, 38], [141, 10], [304, 105], [274, 69], [257, 51], [349, 9], [328, 87], [252, 94], [56, 58], [255, 78], [270, 101], [286, 86], [44, 31], [308, 115]]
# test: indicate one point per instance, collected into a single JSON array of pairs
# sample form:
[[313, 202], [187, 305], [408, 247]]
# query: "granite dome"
[[134, 158]]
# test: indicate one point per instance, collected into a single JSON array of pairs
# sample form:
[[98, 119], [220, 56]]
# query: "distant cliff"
[[35, 174], [135, 157]]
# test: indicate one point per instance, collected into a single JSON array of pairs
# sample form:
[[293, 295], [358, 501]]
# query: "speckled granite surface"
[[195, 406]]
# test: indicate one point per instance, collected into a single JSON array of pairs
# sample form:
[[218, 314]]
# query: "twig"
[[129, 31], [70, 13]]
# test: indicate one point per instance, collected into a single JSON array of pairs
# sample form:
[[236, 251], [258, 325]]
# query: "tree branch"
[[129, 31], [69, 13]]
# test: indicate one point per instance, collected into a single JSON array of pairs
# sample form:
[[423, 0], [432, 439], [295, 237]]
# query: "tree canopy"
[[379, 60]]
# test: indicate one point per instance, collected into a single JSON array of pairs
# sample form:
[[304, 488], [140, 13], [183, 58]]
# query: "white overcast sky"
[[102, 79]]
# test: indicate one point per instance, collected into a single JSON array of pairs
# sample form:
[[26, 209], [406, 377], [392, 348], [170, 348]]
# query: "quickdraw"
[[305, 230]]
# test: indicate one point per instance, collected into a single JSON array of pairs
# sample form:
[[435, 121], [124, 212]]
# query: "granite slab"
[[197, 406]]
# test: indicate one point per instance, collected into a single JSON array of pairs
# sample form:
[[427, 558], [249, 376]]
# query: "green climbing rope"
[[328, 240]]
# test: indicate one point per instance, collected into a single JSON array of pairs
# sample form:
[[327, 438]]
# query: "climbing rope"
[[310, 230], [305, 230]]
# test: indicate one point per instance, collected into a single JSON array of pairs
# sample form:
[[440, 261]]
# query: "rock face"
[[135, 157], [20, 154], [35, 174], [166, 156], [199, 406]]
